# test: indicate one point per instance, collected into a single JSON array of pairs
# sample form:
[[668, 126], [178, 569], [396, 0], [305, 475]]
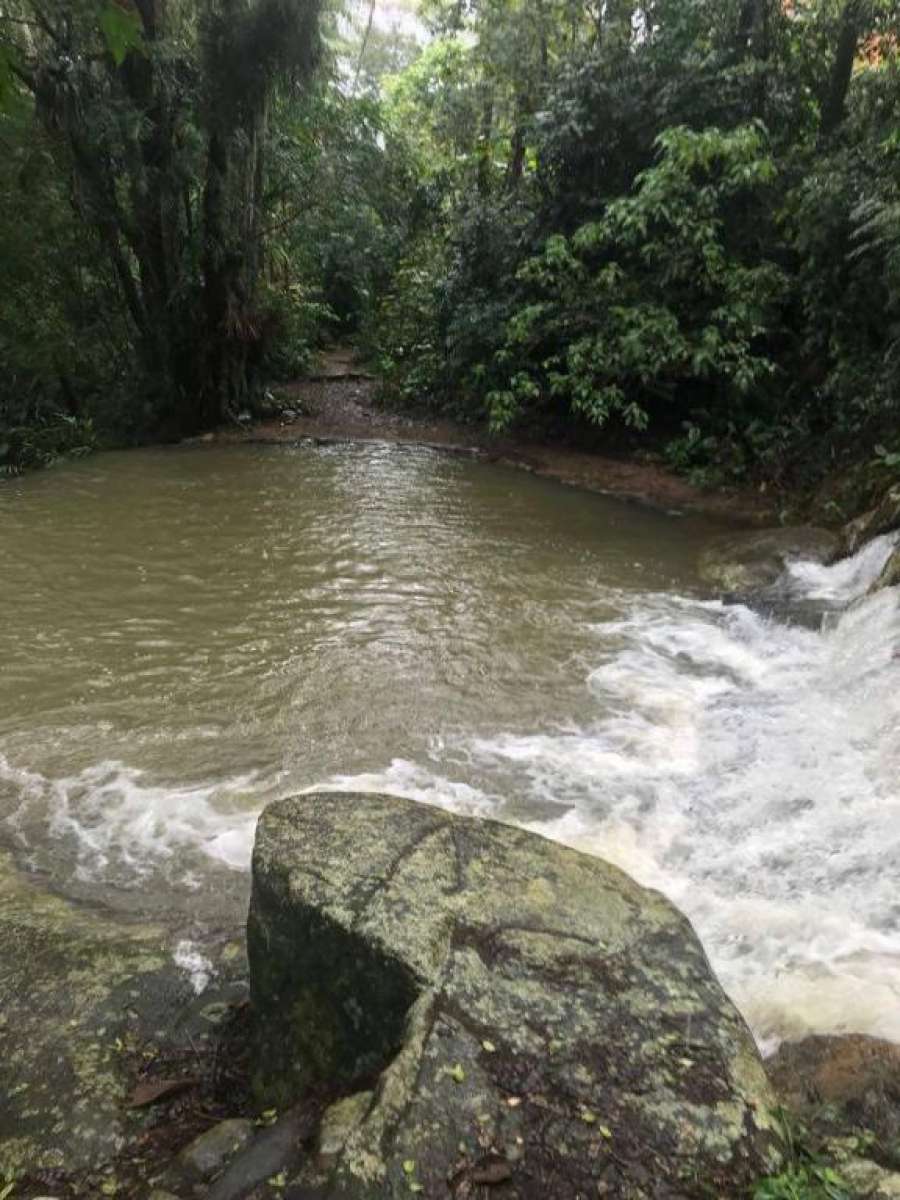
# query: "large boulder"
[[514, 1017], [883, 518], [743, 563]]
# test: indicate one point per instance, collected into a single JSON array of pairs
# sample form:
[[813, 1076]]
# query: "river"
[[188, 633]]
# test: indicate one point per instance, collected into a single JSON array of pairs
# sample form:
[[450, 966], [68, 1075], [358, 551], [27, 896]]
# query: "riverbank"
[[172, 1097], [339, 403]]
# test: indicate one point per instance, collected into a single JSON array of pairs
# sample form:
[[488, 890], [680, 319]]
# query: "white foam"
[[122, 826], [404, 778], [847, 579], [190, 958]]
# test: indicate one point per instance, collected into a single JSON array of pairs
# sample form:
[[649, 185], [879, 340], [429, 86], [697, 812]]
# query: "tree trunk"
[[484, 141], [842, 67]]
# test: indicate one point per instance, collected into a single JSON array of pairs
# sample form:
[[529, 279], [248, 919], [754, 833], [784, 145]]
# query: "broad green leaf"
[[121, 29]]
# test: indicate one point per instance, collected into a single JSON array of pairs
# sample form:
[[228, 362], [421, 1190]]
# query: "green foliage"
[[677, 222], [153, 123], [296, 322], [121, 29], [809, 1182], [649, 297], [44, 440], [677, 225]]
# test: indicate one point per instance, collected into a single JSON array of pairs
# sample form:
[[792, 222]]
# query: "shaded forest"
[[668, 228]]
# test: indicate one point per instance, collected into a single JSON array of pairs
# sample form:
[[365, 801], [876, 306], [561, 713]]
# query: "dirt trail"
[[338, 403]]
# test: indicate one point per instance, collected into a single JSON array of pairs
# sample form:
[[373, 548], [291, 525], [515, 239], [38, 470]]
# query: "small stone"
[[207, 1154], [339, 1121], [870, 1180]]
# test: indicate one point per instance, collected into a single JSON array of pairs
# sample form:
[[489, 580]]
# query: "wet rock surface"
[[95, 1016], [267, 1157], [890, 576], [522, 1018], [746, 563], [883, 518], [842, 1094], [209, 1152], [845, 1085], [70, 984]]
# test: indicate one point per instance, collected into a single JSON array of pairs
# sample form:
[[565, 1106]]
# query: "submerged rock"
[[528, 1018], [751, 562]]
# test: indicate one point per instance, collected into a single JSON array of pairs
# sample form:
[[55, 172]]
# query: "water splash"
[[123, 828], [844, 581]]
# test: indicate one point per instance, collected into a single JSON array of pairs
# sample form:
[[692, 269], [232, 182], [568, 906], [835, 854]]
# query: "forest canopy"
[[672, 226]]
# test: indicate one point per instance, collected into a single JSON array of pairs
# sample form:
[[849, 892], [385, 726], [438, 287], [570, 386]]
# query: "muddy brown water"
[[187, 633]]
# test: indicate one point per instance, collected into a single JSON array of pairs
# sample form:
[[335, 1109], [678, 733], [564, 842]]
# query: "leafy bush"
[[651, 298], [813, 1181], [44, 441]]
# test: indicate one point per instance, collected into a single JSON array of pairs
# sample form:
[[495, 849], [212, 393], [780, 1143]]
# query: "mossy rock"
[[890, 575], [883, 518], [527, 1018], [843, 1085], [744, 563]]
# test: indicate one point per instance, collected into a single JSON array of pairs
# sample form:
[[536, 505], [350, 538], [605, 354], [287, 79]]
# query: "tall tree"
[[159, 112]]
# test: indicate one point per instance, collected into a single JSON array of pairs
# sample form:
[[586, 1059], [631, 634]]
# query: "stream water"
[[186, 634]]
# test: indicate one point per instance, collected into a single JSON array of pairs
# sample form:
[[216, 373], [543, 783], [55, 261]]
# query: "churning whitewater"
[[471, 638]]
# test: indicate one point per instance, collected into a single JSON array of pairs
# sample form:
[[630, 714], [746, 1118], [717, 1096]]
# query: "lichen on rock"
[[521, 1012]]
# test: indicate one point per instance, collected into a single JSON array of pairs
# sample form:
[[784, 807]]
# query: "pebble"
[[207, 1154]]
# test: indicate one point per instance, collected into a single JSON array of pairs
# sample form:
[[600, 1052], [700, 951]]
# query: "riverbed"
[[190, 632]]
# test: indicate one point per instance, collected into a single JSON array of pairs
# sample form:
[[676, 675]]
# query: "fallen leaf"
[[150, 1091]]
